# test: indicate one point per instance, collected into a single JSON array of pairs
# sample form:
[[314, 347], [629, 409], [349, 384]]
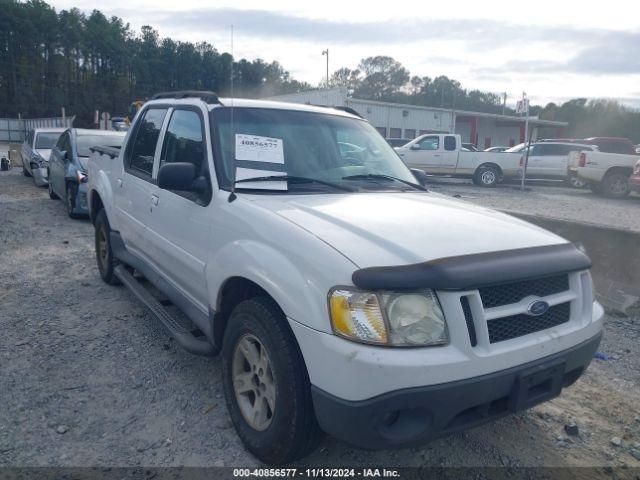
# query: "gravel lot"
[[549, 200], [88, 378]]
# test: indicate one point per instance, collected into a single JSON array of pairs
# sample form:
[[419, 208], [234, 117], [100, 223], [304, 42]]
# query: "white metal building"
[[396, 120]]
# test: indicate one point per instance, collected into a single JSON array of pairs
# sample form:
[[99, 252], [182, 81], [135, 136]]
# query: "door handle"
[[154, 200]]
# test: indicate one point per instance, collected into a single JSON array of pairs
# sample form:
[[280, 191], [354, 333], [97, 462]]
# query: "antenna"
[[232, 195]]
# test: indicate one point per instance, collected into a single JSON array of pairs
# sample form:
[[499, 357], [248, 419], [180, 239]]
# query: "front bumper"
[[40, 176], [417, 415]]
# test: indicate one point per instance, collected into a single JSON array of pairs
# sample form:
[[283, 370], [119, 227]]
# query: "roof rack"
[[206, 96], [348, 110], [338, 107]]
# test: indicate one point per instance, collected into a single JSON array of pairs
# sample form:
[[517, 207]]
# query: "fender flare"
[[296, 294]]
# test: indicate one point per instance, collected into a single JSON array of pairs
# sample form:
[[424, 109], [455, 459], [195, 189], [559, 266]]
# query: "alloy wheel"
[[488, 177], [253, 382]]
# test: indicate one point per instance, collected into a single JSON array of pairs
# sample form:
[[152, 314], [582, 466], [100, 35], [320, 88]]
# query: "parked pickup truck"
[[442, 154], [341, 294], [605, 173]]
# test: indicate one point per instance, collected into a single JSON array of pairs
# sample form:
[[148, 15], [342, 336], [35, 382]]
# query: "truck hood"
[[382, 229]]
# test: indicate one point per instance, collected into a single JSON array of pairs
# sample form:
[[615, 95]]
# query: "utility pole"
[[326, 52], [523, 107]]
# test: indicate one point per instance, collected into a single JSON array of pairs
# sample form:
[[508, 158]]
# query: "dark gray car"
[[68, 165]]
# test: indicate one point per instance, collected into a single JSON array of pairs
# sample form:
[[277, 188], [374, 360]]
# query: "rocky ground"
[[549, 199], [88, 378]]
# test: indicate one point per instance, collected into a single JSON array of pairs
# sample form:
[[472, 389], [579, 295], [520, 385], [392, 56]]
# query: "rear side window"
[[449, 143], [548, 149], [143, 147]]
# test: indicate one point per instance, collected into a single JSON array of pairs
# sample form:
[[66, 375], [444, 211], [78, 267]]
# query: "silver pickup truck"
[[443, 154]]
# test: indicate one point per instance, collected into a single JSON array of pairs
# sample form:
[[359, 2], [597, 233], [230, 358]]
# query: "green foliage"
[[88, 62], [84, 63], [593, 118], [383, 78]]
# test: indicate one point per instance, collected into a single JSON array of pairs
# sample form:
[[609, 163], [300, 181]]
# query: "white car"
[[550, 160], [445, 154], [35, 152], [341, 294]]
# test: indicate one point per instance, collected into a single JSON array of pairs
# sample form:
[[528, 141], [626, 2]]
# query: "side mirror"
[[421, 177], [415, 146], [177, 176]]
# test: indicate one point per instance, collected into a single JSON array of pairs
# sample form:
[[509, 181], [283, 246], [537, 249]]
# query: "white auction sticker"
[[259, 149]]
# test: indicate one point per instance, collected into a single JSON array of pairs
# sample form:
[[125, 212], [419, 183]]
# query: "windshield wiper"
[[380, 176], [292, 179]]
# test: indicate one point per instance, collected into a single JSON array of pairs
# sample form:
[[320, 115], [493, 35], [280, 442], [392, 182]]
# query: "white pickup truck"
[[443, 154], [605, 173], [341, 294]]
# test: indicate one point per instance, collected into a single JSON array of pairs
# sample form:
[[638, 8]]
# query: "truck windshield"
[[324, 147], [46, 140]]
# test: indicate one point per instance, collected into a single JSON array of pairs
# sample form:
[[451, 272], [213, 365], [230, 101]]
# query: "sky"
[[552, 50]]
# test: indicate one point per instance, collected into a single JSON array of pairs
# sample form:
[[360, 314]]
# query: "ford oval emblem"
[[537, 308]]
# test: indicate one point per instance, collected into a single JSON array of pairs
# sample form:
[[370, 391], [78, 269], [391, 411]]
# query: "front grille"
[[501, 329], [508, 293], [468, 318]]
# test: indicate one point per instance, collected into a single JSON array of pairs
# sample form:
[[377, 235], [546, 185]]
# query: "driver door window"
[[430, 143], [184, 143]]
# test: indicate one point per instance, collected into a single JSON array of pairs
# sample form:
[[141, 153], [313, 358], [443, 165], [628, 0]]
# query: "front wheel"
[[486, 176], [104, 255], [266, 385], [575, 182]]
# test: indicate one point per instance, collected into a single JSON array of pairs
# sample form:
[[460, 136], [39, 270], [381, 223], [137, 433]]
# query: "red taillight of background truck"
[[583, 159]]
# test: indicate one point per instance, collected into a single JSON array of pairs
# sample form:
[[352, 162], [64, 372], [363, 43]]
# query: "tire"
[[595, 188], [575, 182], [616, 185], [486, 176], [71, 192], [52, 194], [104, 255], [289, 430]]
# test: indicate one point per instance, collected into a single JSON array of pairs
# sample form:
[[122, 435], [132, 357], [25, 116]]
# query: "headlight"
[[388, 318]]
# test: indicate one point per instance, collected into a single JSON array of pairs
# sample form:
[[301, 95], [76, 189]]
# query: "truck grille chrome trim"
[[500, 313]]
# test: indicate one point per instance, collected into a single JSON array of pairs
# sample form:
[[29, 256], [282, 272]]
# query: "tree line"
[[384, 78], [87, 62]]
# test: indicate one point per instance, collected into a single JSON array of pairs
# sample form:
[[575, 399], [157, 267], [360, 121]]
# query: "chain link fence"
[[13, 130]]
